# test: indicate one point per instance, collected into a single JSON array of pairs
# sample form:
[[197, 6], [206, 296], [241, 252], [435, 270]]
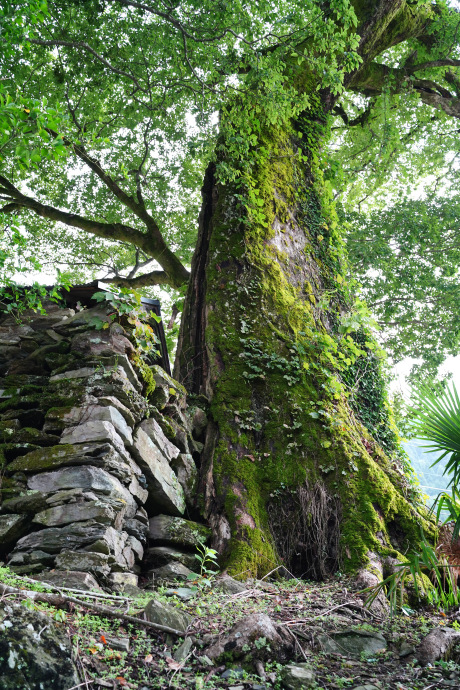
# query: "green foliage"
[[407, 258], [441, 591], [15, 300], [438, 422], [207, 559], [128, 303]]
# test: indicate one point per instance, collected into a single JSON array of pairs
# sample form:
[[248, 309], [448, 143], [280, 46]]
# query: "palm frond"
[[438, 422]]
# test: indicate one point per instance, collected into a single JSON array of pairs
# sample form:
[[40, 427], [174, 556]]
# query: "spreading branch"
[[109, 231]]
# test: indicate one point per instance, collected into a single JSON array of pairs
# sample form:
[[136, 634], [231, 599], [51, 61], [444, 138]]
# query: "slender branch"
[[152, 242], [86, 47]]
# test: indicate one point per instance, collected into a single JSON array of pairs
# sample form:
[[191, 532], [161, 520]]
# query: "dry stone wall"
[[97, 453]]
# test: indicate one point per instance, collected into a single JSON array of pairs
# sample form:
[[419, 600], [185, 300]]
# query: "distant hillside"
[[432, 481]]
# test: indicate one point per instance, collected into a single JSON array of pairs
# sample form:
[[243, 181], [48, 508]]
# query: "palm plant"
[[438, 422]]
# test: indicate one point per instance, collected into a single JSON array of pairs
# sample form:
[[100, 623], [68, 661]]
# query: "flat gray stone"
[[84, 372], [76, 512], [121, 580], [158, 556], [171, 571], [187, 474], [239, 641], [164, 529], [119, 643], [298, 677], [34, 652], [95, 563], [155, 434], [102, 413], [352, 643], [84, 478], [29, 502], [73, 579], [75, 536], [12, 528], [183, 650], [98, 431], [165, 492], [112, 401], [164, 614], [227, 585]]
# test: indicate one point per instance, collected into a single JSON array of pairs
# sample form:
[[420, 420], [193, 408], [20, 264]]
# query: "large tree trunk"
[[290, 475]]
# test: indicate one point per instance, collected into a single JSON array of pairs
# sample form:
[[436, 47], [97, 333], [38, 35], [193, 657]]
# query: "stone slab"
[[165, 492], [165, 529], [155, 434], [85, 477]]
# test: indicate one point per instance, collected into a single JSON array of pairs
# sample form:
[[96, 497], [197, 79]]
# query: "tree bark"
[[290, 475]]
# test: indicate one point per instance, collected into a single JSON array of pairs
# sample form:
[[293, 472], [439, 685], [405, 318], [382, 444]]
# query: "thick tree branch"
[[146, 279], [110, 231], [373, 79]]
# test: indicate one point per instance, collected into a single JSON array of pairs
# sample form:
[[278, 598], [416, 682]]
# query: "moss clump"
[[146, 374]]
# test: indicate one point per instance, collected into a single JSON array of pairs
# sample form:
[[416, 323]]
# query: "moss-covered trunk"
[[290, 473]]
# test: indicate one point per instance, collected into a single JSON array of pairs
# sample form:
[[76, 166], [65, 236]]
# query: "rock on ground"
[[256, 635], [298, 677], [436, 645], [34, 652]]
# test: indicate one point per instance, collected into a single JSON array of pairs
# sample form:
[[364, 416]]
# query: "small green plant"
[[128, 303], [207, 559]]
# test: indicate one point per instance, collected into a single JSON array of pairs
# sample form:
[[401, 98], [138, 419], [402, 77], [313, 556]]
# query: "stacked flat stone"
[[85, 458]]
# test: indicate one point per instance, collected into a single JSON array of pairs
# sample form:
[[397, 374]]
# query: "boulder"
[[164, 614], [352, 643], [273, 641], [164, 529], [158, 556], [437, 645], [298, 677], [171, 571], [122, 580], [165, 492], [227, 585], [34, 652]]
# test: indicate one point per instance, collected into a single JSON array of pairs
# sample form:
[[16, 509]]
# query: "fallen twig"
[[61, 600]]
